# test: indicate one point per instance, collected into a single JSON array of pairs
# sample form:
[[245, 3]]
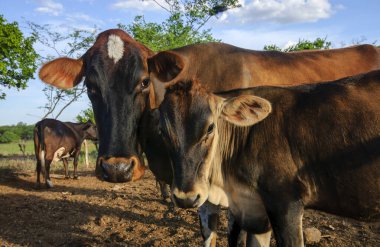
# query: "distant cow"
[[55, 140], [276, 151]]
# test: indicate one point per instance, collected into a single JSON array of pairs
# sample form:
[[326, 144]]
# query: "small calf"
[[276, 151]]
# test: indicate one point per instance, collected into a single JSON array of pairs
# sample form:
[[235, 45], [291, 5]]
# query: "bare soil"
[[89, 212]]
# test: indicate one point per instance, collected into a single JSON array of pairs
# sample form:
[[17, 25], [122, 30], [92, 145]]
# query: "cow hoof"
[[76, 177], [49, 184], [37, 186], [67, 177]]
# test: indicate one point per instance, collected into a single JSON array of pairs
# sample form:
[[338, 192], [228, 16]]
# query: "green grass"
[[7, 149], [13, 148], [26, 164]]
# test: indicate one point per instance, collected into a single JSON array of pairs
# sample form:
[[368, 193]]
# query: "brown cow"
[[221, 67], [116, 75], [55, 140], [276, 151]]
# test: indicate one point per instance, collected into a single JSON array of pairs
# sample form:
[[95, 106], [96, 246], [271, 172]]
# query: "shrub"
[[8, 136]]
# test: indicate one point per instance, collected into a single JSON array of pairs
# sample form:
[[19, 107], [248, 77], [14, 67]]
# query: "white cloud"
[[49, 7], [145, 5], [279, 11], [80, 17]]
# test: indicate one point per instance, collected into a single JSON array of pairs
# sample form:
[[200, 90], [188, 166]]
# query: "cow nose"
[[119, 170], [186, 202]]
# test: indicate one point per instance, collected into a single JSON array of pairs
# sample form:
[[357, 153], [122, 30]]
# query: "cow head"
[[90, 131], [116, 75], [193, 124]]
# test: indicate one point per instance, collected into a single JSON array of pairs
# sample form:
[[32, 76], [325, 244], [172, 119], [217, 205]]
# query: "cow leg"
[[48, 182], [287, 224], [260, 240], [209, 217], [76, 165], [66, 166], [236, 235], [164, 188], [38, 169], [239, 237], [234, 230]]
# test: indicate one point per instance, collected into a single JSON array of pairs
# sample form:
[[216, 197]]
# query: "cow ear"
[[163, 68], [63, 73], [245, 110]]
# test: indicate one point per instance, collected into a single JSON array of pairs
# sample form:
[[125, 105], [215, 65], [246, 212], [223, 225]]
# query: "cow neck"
[[77, 130], [231, 139]]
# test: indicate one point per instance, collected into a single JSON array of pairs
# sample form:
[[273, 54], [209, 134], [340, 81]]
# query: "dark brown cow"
[[276, 151], [116, 75], [55, 140]]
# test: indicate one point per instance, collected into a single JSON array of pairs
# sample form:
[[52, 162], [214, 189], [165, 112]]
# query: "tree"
[[8, 136], [17, 56], [78, 41], [303, 44], [86, 115], [184, 25]]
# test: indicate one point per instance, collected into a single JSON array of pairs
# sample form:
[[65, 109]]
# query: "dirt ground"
[[88, 212]]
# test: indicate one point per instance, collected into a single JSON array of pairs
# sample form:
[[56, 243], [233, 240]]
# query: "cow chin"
[[191, 199], [119, 169]]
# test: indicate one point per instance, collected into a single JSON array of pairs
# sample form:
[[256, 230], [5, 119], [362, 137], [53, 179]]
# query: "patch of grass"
[[29, 164], [7, 149], [18, 164], [13, 148]]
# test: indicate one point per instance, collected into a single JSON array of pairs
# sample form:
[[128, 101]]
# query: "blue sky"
[[258, 22]]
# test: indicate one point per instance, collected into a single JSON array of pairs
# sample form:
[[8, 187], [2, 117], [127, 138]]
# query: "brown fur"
[[319, 149], [223, 67]]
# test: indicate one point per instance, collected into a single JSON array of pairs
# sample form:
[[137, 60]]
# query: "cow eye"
[[92, 90], [162, 134], [145, 83], [210, 128]]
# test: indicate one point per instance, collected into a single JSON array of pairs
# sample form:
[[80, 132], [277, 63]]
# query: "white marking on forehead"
[[115, 47]]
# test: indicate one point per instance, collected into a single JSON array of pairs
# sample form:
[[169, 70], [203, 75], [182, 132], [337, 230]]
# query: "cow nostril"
[[132, 162], [175, 197], [105, 169], [197, 198], [105, 176]]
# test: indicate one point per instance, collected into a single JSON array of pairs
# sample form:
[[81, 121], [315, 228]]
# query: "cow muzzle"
[[186, 200], [119, 169]]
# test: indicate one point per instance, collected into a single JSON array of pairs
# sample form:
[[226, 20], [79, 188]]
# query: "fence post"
[[86, 153]]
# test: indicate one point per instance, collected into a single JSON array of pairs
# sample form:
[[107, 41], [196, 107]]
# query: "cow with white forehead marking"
[[276, 151], [116, 76]]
